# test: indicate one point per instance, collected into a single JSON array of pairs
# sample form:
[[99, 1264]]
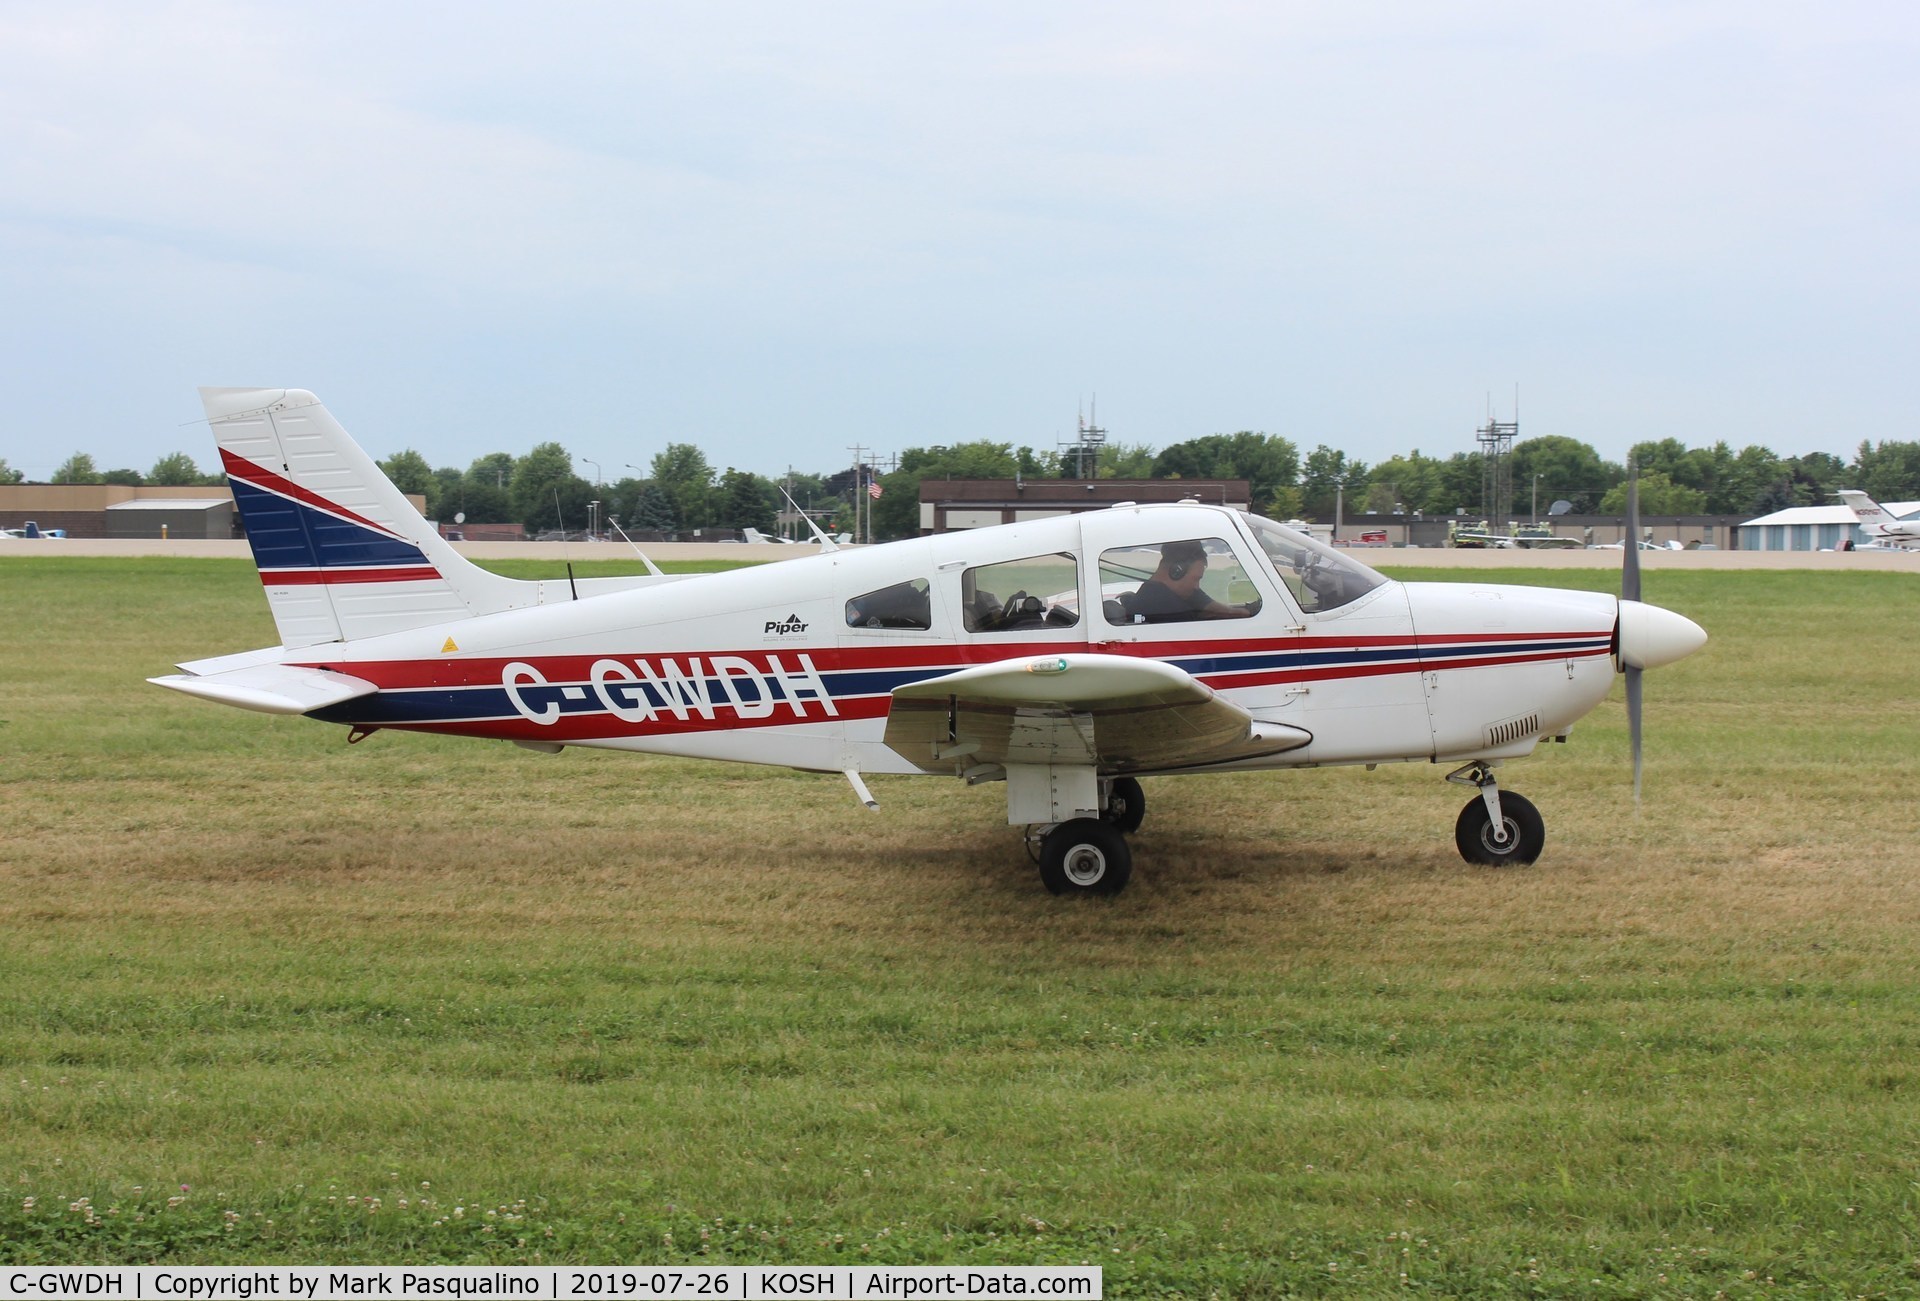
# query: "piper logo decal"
[[781, 627]]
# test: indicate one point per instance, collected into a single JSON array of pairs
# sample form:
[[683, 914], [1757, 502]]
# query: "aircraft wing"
[[1113, 712], [271, 688]]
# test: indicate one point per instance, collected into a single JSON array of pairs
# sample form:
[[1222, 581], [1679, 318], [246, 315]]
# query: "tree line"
[[682, 491]]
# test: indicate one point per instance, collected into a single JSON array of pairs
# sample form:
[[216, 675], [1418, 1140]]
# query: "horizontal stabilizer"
[[272, 688]]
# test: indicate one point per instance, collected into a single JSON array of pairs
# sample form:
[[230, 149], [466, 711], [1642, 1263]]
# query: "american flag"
[[873, 489]]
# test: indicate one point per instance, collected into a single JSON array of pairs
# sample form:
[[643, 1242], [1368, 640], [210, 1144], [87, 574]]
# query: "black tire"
[[1085, 856], [1126, 805], [1526, 832]]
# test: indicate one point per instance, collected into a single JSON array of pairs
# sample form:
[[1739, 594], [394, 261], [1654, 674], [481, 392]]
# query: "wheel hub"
[[1085, 865]]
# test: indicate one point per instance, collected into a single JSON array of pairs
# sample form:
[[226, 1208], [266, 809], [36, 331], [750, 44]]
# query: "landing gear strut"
[[1122, 804], [1496, 828]]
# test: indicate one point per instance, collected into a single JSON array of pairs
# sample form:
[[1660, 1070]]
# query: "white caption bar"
[[562, 1283]]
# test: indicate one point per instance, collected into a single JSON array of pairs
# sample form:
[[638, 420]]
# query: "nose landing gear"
[[1496, 828]]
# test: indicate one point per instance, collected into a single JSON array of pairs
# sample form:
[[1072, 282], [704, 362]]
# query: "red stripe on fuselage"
[[574, 728], [458, 671], [328, 577]]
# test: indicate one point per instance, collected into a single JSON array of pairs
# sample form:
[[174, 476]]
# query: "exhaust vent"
[[1513, 729]]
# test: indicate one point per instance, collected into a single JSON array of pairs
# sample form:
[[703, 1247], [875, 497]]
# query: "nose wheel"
[[1497, 827]]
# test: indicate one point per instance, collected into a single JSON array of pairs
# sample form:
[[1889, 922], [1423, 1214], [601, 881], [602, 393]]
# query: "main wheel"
[[1085, 856], [1526, 833], [1126, 805]]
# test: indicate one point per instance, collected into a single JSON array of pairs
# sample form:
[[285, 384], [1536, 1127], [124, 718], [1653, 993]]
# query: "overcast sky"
[[781, 230]]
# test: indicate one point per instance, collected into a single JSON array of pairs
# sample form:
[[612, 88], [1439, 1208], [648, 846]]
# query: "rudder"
[[342, 554]]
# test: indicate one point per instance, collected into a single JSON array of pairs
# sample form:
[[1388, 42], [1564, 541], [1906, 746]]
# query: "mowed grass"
[[265, 997]]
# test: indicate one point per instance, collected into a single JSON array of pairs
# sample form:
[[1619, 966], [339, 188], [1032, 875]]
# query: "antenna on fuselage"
[[826, 543], [652, 568], [561, 519]]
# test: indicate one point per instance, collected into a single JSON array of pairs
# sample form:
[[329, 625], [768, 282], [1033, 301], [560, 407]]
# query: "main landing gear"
[[1085, 856], [1091, 855], [1496, 828]]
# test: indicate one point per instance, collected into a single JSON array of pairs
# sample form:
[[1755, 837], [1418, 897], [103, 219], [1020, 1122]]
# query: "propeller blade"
[[1630, 566], [1633, 725], [1630, 591]]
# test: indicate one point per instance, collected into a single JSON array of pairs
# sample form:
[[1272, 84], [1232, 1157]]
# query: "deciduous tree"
[[1659, 495], [1267, 462], [78, 468], [546, 493], [682, 473], [747, 501]]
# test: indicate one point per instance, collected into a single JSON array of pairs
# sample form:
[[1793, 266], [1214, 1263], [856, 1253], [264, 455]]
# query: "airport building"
[[1813, 528], [112, 510]]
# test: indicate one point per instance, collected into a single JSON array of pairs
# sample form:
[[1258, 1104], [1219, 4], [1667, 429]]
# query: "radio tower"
[[1496, 469], [1084, 451]]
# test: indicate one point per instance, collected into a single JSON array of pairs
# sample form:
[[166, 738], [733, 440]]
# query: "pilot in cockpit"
[[1173, 593]]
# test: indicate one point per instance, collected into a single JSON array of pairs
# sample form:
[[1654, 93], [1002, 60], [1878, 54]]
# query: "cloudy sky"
[[781, 230]]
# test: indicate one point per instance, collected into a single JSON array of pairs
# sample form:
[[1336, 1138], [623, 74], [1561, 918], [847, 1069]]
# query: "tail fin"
[[1865, 509], [341, 552]]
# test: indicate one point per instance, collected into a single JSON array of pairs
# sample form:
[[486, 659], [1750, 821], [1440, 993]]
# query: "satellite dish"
[[1560, 507], [459, 517]]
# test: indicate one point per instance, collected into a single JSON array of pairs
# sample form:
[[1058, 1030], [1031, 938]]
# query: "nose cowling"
[[1650, 636]]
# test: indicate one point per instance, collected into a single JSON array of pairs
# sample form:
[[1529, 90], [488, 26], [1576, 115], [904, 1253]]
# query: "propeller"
[[1630, 591], [1648, 636]]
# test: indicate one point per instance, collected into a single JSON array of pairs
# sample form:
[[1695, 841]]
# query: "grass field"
[[267, 998]]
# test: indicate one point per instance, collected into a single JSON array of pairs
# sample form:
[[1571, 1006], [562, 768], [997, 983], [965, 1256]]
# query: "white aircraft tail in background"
[[1880, 525]]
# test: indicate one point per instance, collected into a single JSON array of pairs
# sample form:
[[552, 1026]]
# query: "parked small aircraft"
[[1879, 524], [1524, 537], [1065, 657], [758, 538]]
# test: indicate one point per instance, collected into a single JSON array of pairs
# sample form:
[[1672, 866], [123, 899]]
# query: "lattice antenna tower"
[[1084, 451], [1496, 463]]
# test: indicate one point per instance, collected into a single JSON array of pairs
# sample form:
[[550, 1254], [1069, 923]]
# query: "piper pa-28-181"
[[1064, 657]]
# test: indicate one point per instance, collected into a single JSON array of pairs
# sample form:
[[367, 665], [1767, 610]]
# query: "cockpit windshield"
[[1319, 577]]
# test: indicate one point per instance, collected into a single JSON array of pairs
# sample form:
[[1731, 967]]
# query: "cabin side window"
[[1172, 582], [1037, 592], [902, 605]]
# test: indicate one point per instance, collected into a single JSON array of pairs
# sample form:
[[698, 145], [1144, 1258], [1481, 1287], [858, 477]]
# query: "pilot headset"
[[1178, 569]]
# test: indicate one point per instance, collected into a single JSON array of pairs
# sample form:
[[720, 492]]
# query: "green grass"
[[618, 1008]]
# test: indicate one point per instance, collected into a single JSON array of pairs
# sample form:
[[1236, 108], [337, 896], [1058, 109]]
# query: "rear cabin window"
[[903, 605], [1015, 595]]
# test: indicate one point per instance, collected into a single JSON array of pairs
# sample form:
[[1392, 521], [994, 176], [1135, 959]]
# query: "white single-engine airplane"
[[1878, 523], [1066, 657]]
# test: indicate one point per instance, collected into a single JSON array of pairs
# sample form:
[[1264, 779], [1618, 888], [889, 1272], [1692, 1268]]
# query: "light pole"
[[597, 476]]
